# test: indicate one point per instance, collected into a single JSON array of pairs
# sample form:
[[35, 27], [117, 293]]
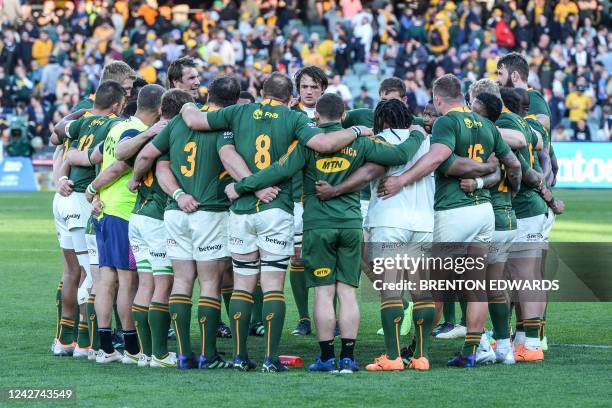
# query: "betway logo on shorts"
[[73, 216], [333, 164], [276, 241], [578, 171], [210, 248], [157, 254]]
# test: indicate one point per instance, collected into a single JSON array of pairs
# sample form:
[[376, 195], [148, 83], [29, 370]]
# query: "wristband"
[[62, 178], [357, 130], [177, 193], [91, 190], [479, 183]]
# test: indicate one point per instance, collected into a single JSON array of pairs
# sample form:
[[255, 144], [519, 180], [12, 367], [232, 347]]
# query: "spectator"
[[338, 88], [363, 100], [20, 86], [564, 9], [438, 36], [579, 104], [41, 49], [221, 50], [66, 86]]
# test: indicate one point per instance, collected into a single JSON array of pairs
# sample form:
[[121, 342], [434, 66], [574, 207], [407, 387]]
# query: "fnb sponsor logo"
[[332, 164]]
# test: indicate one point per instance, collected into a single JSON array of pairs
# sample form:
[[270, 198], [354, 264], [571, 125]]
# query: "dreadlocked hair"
[[393, 114]]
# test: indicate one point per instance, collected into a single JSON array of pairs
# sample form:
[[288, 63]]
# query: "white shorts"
[[92, 248], [500, 246], [148, 238], [548, 224], [270, 230], [73, 211], [474, 223], [406, 241], [365, 204], [198, 236], [298, 224], [529, 240], [63, 235]]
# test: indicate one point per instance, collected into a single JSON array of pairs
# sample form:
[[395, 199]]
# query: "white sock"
[[484, 342], [519, 337], [532, 343]]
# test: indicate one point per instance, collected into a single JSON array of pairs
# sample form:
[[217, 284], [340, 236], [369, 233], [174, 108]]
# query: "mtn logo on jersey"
[[321, 272], [333, 164], [258, 114], [469, 123]]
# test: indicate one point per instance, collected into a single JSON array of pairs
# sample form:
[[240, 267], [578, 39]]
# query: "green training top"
[[264, 131], [195, 162], [467, 134], [85, 134], [343, 211]]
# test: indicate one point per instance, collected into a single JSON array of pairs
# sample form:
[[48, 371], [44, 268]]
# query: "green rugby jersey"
[[527, 202], [467, 134], [296, 181], [360, 117], [195, 162], [537, 103], [85, 133], [343, 211], [86, 103], [264, 133]]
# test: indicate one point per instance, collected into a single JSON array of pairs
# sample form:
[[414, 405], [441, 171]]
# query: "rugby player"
[[148, 238], [460, 217], [261, 233], [332, 229], [196, 222], [74, 210]]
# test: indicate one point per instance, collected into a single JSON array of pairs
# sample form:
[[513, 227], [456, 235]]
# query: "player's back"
[[86, 133], [263, 133], [470, 135], [195, 162]]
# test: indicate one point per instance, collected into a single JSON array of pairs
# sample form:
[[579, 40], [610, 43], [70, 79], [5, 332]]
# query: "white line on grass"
[[594, 346], [28, 250]]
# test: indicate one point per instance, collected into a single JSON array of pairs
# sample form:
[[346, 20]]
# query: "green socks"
[[66, 335], [463, 305], [159, 323], [256, 311], [180, 313], [472, 340], [422, 317], [297, 277], [141, 321], [209, 313], [499, 311], [532, 327], [92, 323], [226, 294], [58, 308], [274, 314], [448, 311], [83, 335], [240, 316], [391, 316]]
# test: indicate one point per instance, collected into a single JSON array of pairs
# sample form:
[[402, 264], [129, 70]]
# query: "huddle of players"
[[182, 225]]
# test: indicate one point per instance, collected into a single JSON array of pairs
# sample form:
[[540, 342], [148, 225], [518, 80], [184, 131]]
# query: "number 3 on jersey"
[[474, 152], [190, 149], [262, 153]]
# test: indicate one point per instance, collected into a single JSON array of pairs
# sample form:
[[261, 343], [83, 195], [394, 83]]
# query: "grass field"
[[574, 374]]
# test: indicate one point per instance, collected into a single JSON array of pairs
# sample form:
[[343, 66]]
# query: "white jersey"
[[412, 207]]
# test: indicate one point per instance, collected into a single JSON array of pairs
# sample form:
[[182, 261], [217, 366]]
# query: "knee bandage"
[[274, 263], [245, 267]]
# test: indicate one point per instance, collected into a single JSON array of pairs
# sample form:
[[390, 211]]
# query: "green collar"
[[330, 127]]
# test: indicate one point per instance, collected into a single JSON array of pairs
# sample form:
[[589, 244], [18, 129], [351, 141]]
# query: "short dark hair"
[[511, 99], [392, 113], [109, 93], [316, 73], [447, 86], [224, 91], [247, 95], [172, 101], [515, 62], [175, 69], [330, 106], [149, 97], [392, 84], [278, 86], [132, 103], [492, 104]]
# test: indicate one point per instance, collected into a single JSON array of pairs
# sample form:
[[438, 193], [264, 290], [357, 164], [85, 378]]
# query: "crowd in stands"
[[51, 54]]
